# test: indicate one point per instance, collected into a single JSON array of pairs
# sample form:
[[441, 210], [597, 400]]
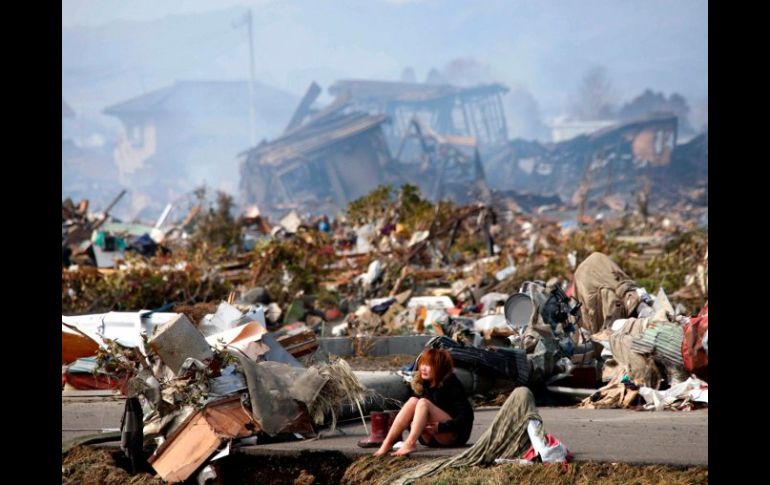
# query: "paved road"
[[610, 435], [82, 416]]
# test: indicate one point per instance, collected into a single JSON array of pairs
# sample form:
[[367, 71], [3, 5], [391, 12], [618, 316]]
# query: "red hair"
[[441, 364]]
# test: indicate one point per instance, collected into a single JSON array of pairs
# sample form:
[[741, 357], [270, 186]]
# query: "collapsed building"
[[442, 166], [177, 136], [333, 158], [447, 139], [620, 160], [328, 157], [475, 111], [86, 167]]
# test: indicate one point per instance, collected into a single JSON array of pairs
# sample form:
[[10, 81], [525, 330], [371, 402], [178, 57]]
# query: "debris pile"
[[481, 278], [195, 391]]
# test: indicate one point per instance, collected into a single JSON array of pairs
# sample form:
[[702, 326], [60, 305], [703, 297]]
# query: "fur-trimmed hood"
[[419, 387]]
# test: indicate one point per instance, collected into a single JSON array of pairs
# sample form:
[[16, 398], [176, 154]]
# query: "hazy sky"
[[545, 46]]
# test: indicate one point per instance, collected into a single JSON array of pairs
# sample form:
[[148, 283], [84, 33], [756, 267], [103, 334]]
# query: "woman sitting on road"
[[439, 414]]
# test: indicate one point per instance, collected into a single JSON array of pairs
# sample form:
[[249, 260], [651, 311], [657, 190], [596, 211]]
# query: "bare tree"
[[595, 97], [650, 102]]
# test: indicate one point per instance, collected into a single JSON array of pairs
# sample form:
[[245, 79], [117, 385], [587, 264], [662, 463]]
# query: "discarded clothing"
[[132, 432], [544, 446], [637, 366], [663, 342], [681, 396], [614, 395], [605, 292], [695, 344]]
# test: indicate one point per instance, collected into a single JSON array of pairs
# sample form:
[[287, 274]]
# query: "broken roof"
[[388, 91], [643, 122], [314, 136], [530, 148], [220, 97]]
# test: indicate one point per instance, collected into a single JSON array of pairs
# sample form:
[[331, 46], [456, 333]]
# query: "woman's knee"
[[423, 403]]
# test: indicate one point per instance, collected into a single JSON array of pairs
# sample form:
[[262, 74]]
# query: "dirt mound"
[[93, 466], [370, 470], [309, 468]]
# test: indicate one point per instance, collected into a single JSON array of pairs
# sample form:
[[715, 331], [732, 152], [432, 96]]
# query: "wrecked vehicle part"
[[511, 363]]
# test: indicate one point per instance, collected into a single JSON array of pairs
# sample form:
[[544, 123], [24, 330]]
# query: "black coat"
[[450, 397]]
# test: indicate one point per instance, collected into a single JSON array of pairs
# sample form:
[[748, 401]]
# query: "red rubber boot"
[[378, 432]]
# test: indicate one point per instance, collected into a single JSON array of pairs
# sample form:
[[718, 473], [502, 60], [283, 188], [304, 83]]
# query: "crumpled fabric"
[[639, 367], [132, 432], [676, 397], [605, 291], [544, 445], [612, 396]]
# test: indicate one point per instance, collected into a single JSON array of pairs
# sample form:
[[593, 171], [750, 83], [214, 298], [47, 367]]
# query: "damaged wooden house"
[[616, 161], [319, 165], [442, 166], [177, 136], [475, 111], [328, 157]]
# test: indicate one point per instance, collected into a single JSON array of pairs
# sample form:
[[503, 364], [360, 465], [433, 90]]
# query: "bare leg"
[[424, 412], [403, 418]]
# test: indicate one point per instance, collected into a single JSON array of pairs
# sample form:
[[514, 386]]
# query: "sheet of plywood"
[[189, 450], [230, 419], [199, 436]]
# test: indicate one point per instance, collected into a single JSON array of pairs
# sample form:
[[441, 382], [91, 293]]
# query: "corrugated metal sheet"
[[663, 341]]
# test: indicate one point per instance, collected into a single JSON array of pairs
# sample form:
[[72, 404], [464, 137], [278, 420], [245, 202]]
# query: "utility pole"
[[252, 114]]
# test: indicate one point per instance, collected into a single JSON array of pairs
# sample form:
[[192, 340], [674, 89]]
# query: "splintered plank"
[[199, 437], [190, 449]]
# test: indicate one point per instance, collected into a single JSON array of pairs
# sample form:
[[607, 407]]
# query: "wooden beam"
[[468, 131], [502, 116], [304, 105], [190, 445]]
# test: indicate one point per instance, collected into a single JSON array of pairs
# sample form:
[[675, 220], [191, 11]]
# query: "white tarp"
[[124, 327]]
